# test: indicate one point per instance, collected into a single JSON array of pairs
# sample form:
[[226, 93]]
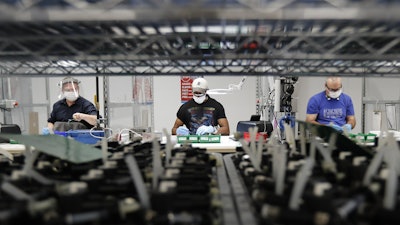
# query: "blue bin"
[[86, 136], [61, 133]]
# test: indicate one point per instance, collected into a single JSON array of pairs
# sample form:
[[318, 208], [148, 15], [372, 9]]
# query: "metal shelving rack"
[[221, 37]]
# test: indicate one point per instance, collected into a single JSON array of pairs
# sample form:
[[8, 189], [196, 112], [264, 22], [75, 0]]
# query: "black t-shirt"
[[194, 115], [63, 113]]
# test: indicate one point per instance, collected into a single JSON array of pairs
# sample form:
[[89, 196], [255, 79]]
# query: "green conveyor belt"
[[62, 147]]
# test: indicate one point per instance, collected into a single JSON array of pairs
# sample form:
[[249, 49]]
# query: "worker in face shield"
[[72, 108]]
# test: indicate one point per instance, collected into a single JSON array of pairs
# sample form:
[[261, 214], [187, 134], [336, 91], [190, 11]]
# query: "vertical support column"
[[152, 106], [49, 106], [2, 95], [6, 95], [106, 100], [363, 106], [259, 95]]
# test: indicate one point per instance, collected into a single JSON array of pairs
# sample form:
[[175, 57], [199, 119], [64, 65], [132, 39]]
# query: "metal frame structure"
[[220, 37]]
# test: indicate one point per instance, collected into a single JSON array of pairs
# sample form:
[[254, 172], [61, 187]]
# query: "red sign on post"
[[186, 88]]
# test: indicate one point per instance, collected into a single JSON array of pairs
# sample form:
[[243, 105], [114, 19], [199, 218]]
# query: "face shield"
[[69, 88]]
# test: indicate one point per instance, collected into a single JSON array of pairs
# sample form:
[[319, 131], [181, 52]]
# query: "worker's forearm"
[[223, 130], [91, 119], [313, 122]]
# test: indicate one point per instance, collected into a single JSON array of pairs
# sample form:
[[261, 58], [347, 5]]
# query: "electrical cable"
[[100, 137]]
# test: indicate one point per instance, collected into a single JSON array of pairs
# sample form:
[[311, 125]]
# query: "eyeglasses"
[[333, 90], [69, 90], [198, 94]]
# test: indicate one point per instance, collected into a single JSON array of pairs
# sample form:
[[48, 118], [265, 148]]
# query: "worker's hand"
[[45, 131], [336, 127], [347, 127], [205, 130], [78, 116], [182, 130]]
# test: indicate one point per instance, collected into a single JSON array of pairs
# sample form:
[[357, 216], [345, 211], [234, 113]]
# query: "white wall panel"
[[381, 90]]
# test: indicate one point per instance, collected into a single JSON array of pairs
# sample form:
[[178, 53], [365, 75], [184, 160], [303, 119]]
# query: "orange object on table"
[[264, 135]]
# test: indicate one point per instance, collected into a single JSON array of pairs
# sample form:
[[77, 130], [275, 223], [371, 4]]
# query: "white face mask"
[[200, 99], [335, 94], [71, 95]]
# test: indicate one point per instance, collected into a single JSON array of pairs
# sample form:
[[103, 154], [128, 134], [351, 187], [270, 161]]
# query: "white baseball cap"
[[200, 84]]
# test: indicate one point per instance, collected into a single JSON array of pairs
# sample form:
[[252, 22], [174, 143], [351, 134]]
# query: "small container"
[[187, 138], [86, 136], [181, 138], [193, 138], [210, 139], [124, 138], [83, 136]]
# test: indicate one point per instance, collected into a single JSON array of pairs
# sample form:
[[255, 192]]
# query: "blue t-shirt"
[[330, 110]]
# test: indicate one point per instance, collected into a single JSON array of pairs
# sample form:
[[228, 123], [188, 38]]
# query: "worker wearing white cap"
[[202, 114]]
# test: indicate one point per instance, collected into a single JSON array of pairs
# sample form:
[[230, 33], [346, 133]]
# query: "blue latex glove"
[[347, 127], [336, 127], [45, 131], [182, 130], [205, 130]]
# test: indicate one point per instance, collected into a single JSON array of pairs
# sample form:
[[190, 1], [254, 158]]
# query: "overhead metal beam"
[[124, 10], [203, 67], [270, 37]]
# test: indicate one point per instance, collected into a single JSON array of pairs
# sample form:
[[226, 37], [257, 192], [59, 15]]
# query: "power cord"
[[100, 137]]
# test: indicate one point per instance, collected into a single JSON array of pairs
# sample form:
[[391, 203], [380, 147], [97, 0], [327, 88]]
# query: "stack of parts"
[[135, 183], [324, 178], [333, 182]]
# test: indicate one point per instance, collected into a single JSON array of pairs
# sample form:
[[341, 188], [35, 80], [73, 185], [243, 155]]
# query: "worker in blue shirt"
[[72, 107], [332, 107]]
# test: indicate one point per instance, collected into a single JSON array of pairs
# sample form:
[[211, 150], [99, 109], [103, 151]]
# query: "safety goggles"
[[199, 94]]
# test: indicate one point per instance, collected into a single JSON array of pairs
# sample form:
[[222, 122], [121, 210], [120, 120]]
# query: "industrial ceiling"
[[181, 37]]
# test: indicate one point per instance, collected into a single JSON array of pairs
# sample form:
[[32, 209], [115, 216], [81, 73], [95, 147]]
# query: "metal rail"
[[226, 37]]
